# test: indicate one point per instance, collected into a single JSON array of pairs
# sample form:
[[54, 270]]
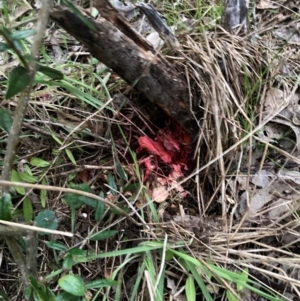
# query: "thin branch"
[[24, 264]]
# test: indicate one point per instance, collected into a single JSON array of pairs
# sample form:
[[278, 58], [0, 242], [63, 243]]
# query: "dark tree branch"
[[116, 44]]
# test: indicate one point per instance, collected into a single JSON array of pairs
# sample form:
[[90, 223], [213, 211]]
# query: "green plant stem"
[[25, 264], [13, 137], [10, 42], [19, 258]]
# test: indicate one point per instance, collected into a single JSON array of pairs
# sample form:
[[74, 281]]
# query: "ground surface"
[[208, 218]]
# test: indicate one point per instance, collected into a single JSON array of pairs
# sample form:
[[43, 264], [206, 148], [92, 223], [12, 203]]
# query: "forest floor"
[[159, 215]]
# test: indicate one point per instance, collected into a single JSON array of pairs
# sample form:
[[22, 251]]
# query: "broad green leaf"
[[72, 200], [27, 291], [46, 219], [16, 178], [70, 156], [76, 200], [4, 47], [101, 283], [5, 120], [37, 162], [25, 177], [43, 194], [190, 290], [112, 184], [100, 207], [65, 296], [103, 235], [68, 262], [18, 80], [7, 32], [3, 296], [72, 284], [41, 291], [5, 207], [121, 172], [77, 252], [27, 169], [131, 187], [88, 201], [53, 73], [27, 210], [56, 245], [23, 34]]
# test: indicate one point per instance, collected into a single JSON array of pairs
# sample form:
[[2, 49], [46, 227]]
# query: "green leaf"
[[197, 277], [18, 80], [43, 194], [70, 156], [121, 172], [27, 210], [169, 255], [101, 283], [29, 57], [72, 200], [65, 296], [100, 207], [4, 47], [41, 291], [75, 200], [68, 262], [46, 219], [114, 211], [56, 245], [5, 207], [72, 284], [27, 178], [3, 296], [132, 187], [77, 252], [190, 290], [5, 120], [27, 170], [56, 139], [103, 235], [16, 178], [112, 184], [231, 296], [88, 201], [53, 73], [37, 162], [23, 34], [243, 279]]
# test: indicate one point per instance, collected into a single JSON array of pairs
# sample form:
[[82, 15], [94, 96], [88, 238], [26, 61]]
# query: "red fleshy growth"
[[149, 166], [168, 141], [171, 149], [155, 148]]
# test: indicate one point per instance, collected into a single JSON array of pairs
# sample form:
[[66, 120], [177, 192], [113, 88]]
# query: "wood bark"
[[115, 43]]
